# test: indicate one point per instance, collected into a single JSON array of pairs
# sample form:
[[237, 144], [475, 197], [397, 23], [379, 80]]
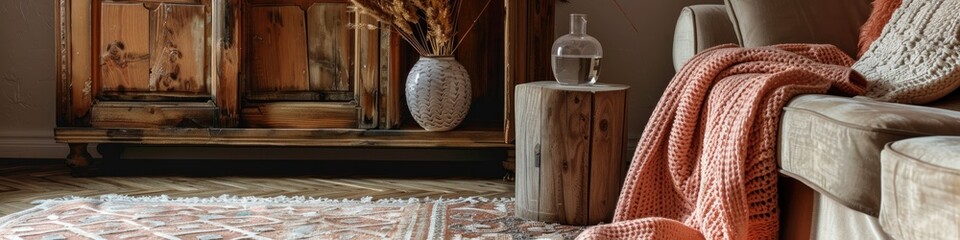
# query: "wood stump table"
[[570, 141]]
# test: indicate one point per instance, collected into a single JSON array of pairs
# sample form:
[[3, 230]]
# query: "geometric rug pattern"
[[226, 217]]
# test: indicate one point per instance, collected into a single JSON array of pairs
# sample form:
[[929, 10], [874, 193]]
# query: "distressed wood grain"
[[179, 52], [529, 37], [226, 59], [61, 12], [153, 97], [152, 1], [390, 81], [330, 47], [367, 67], [78, 61], [300, 115], [528, 154], [124, 40], [464, 137], [277, 42], [154, 115], [481, 53], [565, 153], [576, 134], [300, 96], [606, 154]]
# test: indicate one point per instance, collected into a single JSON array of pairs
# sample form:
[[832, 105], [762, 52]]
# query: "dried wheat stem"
[[434, 21]]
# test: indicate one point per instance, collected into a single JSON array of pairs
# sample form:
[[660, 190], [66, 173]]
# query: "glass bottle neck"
[[578, 24]]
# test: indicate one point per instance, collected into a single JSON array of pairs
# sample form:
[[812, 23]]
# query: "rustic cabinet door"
[[310, 65], [154, 49], [152, 63], [222, 63]]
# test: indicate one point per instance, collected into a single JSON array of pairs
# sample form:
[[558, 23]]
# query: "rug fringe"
[[261, 200]]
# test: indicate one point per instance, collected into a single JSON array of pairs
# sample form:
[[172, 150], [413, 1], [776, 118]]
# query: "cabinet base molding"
[[284, 137]]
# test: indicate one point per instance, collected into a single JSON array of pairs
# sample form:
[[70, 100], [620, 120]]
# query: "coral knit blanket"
[[705, 167]]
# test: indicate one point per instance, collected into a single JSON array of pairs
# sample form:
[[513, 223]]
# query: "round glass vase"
[[575, 57]]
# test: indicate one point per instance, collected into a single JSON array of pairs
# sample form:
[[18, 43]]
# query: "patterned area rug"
[[121, 217]]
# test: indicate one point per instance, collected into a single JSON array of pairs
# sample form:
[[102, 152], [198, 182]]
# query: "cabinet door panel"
[[125, 45], [300, 50], [179, 56], [278, 44], [303, 65], [151, 50], [154, 65], [331, 47]]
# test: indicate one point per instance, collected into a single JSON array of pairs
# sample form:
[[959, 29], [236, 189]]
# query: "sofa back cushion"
[[768, 22]]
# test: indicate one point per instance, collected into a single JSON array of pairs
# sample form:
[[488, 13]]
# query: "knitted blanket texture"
[[705, 167]]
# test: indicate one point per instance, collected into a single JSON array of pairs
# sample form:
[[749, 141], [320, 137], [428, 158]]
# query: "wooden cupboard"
[[275, 73]]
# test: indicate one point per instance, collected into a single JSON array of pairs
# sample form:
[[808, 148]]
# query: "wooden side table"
[[570, 140]]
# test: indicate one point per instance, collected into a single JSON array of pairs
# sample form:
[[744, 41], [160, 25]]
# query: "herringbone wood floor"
[[23, 181]]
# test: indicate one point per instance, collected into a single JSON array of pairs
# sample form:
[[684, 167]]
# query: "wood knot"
[[174, 55], [114, 50], [603, 125]]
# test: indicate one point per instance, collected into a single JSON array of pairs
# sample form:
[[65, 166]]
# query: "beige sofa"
[[872, 173]]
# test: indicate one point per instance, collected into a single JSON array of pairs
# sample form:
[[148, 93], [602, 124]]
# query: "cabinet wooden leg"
[[79, 160], [510, 164]]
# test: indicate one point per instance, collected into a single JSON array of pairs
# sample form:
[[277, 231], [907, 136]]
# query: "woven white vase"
[[438, 93]]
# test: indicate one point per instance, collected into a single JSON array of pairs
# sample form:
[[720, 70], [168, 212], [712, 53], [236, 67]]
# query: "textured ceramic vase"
[[438, 93]]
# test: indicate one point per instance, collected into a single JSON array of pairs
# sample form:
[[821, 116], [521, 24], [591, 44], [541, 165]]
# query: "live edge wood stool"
[[570, 141]]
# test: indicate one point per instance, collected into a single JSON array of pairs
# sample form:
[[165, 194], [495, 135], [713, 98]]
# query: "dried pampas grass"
[[428, 25]]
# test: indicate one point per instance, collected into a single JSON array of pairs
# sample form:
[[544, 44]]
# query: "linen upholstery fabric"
[[833, 143], [768, 22], [832, 220], [879, 16], [700, 27], [917, 57], [705, 166], [921, 188]]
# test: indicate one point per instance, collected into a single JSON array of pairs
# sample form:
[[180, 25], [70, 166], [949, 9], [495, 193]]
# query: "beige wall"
[[27, 79], [641, 60], [27, 71]]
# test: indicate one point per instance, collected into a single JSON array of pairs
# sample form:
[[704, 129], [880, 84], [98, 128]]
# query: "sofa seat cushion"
[[833, 143], [920, 182]]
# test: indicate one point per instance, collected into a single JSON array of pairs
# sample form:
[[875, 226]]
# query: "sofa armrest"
[[700, 27]]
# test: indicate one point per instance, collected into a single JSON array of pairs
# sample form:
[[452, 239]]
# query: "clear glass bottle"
[[576, 56]]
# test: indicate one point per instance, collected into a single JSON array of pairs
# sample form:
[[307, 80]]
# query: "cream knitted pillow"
[[917, 57]]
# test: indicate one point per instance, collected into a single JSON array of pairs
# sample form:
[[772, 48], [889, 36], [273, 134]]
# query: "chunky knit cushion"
[[879, 16], [917, 57]]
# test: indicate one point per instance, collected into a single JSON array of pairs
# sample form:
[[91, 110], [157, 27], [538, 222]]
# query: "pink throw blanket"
[[705, 166]]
